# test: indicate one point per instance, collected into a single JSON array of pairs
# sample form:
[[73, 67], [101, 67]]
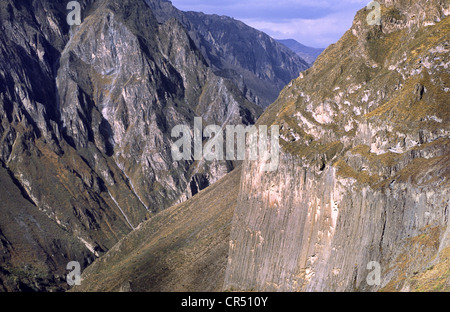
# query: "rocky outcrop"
[[364, 172]]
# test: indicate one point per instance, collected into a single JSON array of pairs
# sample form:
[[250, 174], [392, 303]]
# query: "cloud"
[[316, 23]]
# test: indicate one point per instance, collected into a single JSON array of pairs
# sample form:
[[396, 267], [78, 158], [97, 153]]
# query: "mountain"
[[86, 114], [364, 169], [307, 53], [362, 182], [258, 64]]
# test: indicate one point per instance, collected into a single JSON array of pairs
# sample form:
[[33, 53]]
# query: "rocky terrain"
[[86, 114], [363, 177]]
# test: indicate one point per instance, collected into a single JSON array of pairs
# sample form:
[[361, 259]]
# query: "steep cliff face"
[[364, 171], [36, 245], [124, 83]]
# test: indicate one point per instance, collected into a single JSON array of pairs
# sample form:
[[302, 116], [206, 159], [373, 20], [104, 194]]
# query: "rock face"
[[86, 114], [32, 247], [133, 91], [364, 173]]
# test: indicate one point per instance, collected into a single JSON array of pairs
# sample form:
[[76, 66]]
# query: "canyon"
[[87, 173]]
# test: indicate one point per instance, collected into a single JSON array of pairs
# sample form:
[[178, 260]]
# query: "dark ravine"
[[86, 114]]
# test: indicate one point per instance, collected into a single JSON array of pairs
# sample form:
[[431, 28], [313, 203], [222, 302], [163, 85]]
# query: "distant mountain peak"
[[309, 54]]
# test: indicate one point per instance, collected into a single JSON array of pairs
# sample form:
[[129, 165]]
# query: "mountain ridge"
[[309, 54], [238, 52]]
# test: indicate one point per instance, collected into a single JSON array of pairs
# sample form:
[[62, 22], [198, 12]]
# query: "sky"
[[315, 23]]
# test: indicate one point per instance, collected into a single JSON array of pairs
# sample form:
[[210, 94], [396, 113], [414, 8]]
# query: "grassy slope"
[[184, 248]]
